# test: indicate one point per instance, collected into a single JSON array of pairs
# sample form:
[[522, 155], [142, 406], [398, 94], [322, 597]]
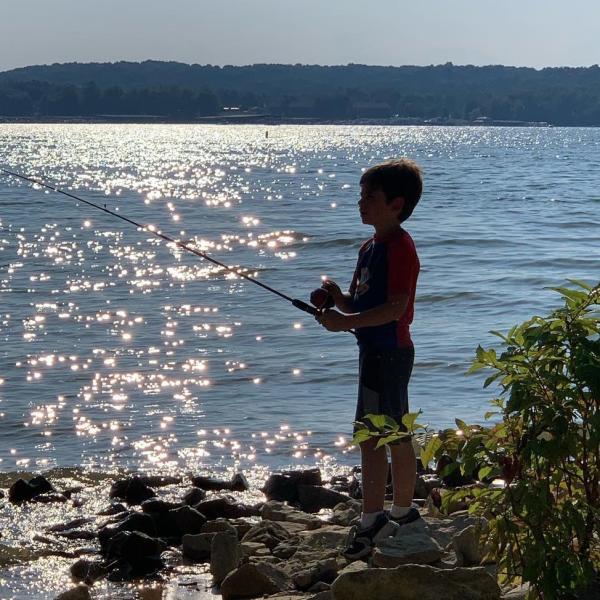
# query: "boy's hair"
[[397, 177]]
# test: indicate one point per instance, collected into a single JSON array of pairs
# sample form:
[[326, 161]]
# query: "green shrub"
[[543, 520]]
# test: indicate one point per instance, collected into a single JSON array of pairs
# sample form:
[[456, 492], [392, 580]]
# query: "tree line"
[[561, 96]]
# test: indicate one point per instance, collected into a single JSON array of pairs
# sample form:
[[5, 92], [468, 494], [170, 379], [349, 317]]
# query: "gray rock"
[[278, 511], [411, 545], [254, 549], [255, 579], [81, 592], [416, 582], [219, 525], [315, 571], [468, 545], [443, 530], [88, 571], [194, 496], [268, 533], [313, 498], [518, 593], [225, 555], [326, 538], [196, 547], [345, 513]]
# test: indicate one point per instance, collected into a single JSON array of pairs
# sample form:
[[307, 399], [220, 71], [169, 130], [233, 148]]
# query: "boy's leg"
[[404, 472], [374, 476]]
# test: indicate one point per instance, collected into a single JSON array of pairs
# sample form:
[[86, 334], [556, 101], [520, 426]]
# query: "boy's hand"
[[334, 290], [333, 320]]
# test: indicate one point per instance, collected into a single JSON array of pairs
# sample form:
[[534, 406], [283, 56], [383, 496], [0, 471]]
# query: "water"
[[121, 352]]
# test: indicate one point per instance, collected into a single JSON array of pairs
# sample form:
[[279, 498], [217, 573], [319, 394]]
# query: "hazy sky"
[[513, 32]]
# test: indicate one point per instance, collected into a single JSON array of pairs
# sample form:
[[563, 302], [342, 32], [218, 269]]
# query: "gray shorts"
[[383, 378]]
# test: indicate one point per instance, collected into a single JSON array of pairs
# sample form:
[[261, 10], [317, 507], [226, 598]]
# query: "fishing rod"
[[150, 228]]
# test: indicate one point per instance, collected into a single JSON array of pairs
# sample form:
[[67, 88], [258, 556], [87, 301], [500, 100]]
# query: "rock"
[[286, 549], [431, 482], [345, 513], [113, 509], [268, 533], [284, 486], [81, 592], [254, 549], [411, 545], [518, 593], [225, 507], [238, 483], [315, 571], [328, 595], [133, 490], [254, 579], [70, 525], [194, 496], [326, 538], [49, 498], [78, 534], [312, 498], [416, 582], [320, 586], [444, 530], [23, 491], [87, 570], [278, 511], [225, 555], [159, 480], [468, 545], [134, 522], [219, 525], [242, 526], [421, 490], [135, 550], [197, 547], [173, 524], [156, 506]]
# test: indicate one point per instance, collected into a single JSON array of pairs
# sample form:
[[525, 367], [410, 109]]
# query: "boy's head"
[[397, 178]]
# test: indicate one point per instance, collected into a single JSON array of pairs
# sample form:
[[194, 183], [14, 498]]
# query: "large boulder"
[[255, 580], [132, 489], [225, 555], [416, 582], [468, 545], [284, 486], [312, 498], [139, 522], [411, 545], [136, 553], [226, 508], [24, 491]]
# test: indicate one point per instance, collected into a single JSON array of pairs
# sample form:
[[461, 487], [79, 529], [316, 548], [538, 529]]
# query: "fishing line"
[[299, 304]]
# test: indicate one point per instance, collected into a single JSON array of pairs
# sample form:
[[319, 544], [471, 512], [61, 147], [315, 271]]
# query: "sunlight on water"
[[120, 351]]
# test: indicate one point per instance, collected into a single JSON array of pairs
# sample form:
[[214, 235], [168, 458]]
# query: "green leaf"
[[409, 421], [390, 439], [429, 452]]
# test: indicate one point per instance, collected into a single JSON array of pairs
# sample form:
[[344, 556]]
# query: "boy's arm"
[[343, 301], [392, 310]]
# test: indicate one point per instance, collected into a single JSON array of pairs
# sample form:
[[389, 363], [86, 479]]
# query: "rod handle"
[[305, 307]]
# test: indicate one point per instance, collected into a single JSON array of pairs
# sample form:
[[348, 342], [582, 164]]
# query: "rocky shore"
[[286, 547]]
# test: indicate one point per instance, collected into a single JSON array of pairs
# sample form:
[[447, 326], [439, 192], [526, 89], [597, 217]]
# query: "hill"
[[561, 96]]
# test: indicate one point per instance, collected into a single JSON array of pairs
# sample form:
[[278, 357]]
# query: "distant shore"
[[258, 119]]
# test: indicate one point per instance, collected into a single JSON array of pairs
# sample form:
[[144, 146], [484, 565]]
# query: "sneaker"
[[361, 541], [412, 515]]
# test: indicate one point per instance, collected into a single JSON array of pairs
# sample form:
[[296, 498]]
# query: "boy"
[[379, 307]]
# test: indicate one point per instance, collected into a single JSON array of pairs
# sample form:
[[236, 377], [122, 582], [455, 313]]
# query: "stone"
[[312, 498], [313, 572], [133, 490], [193, 496], [411, 545], [69, 525], [239, 483], [87, 570], [138, 554], [254, 549], [468, 545], [157, 506], [173, 524], [197, 547], [269, 533], [421, 490], [326, 538], [227, 508], [159, 480], [416, 582], [346, 513], [518, 593], [24, 491], [225, 555], [444, 529], [134, 522], [113, 509], [255, 579], [81, 592], [49, 498], [286, 549], [78, 534], [219, 525], [278, 511], [284, 486]]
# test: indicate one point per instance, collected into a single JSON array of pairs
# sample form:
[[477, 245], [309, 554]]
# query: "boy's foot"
[[361, 541], [412, 515]]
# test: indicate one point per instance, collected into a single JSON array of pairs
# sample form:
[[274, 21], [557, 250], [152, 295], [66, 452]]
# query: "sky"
[[535, 33]]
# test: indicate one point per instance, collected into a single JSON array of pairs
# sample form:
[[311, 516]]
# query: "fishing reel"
[[321, 299]]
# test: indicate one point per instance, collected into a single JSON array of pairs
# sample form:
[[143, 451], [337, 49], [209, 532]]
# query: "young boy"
[[379, 307]]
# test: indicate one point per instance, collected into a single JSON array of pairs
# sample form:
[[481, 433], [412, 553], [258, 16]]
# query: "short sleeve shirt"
[[386, 269]]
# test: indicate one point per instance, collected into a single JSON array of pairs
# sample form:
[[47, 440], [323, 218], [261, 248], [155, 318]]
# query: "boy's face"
[[376, 210]]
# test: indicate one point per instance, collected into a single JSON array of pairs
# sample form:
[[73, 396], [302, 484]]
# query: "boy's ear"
[[398, 203]]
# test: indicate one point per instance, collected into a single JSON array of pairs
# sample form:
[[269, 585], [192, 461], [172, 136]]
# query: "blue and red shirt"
[[385, 269]]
